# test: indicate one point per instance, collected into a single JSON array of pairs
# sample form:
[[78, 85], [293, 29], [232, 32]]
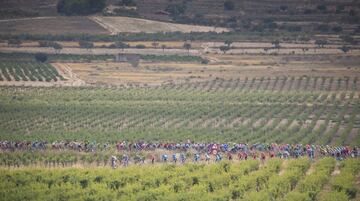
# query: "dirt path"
[[108, 27], [24, 19], [283, 167], [64, 70], [68, 74], [310, 170], [358, 187], [327, 187]]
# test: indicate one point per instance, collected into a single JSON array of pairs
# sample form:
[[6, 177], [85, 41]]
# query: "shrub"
[[176, 9], [229, 5], [14, 42], [80, 7], [323, 28], [86, 44], [140, 46], [41, 57], [321, 7], [283, 7], [127, 3], [337, 29]]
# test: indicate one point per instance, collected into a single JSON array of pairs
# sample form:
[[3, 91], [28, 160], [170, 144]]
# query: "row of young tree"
[[321, 43]]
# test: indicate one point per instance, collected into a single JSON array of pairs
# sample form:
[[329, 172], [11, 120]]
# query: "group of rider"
[[242, 150], [217, 155]]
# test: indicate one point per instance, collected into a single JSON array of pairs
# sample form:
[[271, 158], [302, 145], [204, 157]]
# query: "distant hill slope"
[[27, 8], [296, 16], [290, 15]]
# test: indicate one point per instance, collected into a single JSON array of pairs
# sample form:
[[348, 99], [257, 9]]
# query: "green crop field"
[[251, 180], [265, 106], [176, 114], [28, 71]]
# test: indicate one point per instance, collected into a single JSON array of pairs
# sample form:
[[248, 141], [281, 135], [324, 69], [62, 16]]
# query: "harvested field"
[[154, 73], [133, 25]]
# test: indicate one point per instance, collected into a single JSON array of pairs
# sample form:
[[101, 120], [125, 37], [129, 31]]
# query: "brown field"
[[155, 73], [246, 60], [51, 25]]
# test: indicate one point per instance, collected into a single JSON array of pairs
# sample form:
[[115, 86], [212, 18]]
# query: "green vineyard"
[[177, 114], [249, 180], [278, 83], [28, 71]]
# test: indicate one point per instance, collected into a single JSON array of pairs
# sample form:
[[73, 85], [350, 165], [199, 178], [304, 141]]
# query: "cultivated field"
[[51, 25], [275, 180], [220, 100], [211, 111], [155, 73]]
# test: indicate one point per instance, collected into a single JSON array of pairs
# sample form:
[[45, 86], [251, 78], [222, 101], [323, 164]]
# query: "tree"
[[345, 49], [321, 7], [321, 43], [224, 48], [41, 57], [155, 44], [187, 46], [134, 62], [276, 44], [14, 42], [337, 29], [228, 43], [46, 43], [229, 5], [176, 9], [349, 39], [121, 45], [85, 44], [283, 7], [163, 47], [127, 3], [58, 47], [80, 7]]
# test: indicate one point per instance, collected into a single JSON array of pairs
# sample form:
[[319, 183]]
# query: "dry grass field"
[[133, 25], [223, 67]]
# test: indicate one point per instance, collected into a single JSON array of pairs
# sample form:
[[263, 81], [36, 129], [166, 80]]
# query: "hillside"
[[27, 8], [263, 16], [258, 15]]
